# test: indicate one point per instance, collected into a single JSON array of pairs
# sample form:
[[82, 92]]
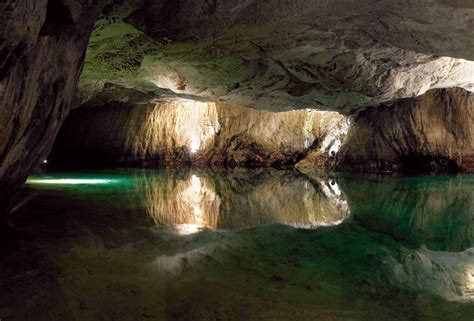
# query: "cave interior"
[[236, 160]]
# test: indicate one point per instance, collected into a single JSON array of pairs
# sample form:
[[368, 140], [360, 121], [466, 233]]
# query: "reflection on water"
[[434, 211], [188, 203], [240, 245], [238, 199]]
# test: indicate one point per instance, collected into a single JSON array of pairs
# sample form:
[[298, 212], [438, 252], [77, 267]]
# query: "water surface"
[[240, 245]]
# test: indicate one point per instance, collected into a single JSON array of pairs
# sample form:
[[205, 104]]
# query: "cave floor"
[[239, 245]]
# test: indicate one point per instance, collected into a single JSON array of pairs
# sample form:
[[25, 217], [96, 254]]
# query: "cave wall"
[[42, 46], [275, 55], [430, 133], [198, 133]]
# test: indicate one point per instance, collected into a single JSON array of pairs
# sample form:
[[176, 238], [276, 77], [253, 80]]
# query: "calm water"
[[240, 245]]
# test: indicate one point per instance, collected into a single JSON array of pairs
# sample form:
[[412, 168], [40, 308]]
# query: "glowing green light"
[[70, 181]]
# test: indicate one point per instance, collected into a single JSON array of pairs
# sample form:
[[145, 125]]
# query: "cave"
[[236, 160]]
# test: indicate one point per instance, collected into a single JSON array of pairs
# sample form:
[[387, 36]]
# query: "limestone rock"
[[192, 132], [282, 55], [410, 25], [429, 133]]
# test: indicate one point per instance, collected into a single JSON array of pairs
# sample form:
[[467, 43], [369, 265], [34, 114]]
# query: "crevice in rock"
[[58, 17]]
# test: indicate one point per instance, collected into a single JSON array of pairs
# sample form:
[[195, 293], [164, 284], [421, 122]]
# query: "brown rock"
[[191, 132], [42, 46], [429, 133]]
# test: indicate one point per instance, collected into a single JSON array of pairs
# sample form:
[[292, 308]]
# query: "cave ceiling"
[[279, 55]]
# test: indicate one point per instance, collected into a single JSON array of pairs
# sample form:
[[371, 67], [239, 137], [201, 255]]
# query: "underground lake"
[[236, 160], [240, 244]]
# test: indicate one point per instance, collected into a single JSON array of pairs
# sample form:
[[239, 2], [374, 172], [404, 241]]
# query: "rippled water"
[[240, 245]]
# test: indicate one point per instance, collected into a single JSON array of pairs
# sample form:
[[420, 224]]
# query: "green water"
[[240, 245]]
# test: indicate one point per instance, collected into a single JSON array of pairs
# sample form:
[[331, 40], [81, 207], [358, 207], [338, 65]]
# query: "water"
[[240, 245]]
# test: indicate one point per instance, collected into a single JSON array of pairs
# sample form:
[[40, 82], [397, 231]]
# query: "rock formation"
[[198, 133], [42, 47], [429, 133], [282, 55], [343, 56]]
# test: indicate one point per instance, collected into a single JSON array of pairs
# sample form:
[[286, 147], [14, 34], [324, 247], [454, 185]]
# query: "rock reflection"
[[189, 202], [236, 199], [93, 245], [437, 212], [336, 199]]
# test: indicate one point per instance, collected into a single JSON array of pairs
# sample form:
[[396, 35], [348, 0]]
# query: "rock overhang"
[[328, 55]]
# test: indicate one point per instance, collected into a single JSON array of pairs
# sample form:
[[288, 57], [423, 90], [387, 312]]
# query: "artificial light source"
[[188, 229], [69, 181], [194, 146]]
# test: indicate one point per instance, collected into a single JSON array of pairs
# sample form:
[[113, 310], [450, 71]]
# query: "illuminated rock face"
[[278, 55], [161, 133], [42, 46], [198, 133], [429, 133]]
